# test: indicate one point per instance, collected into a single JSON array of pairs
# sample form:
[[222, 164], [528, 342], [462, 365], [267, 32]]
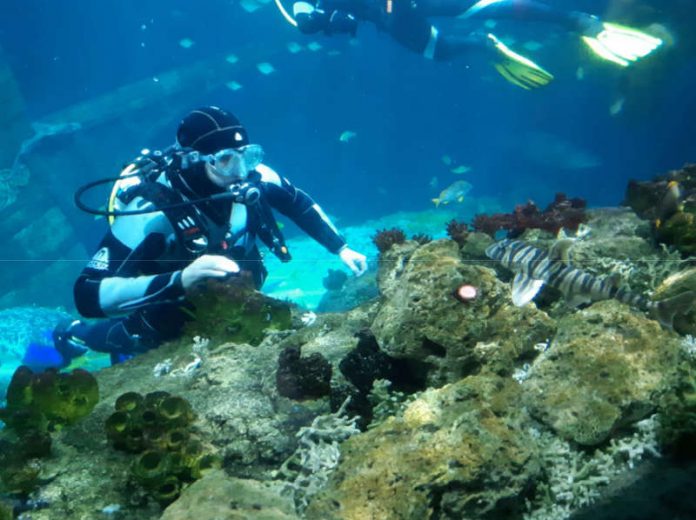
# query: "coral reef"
[[476, 409], [577, 478], [367, 363], [680, 230], [673, 285], [6, 511], [158, 427], [217, 496], [460, 451], [603, 370], [385, 239], [562, 213], [308, 469], [361, 367], [233, 311], [437, 338], [669, 202], [302, 378], [678, 408]]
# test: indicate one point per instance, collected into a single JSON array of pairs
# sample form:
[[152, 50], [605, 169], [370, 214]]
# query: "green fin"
[[620, 44]]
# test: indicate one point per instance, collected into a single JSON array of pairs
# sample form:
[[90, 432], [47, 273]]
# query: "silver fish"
[[534, 267]]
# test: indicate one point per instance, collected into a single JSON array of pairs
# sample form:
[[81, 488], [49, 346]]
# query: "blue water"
[[407, 113]]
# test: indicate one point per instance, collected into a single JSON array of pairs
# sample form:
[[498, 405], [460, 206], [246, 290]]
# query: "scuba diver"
[[180, 217], [406, 21]]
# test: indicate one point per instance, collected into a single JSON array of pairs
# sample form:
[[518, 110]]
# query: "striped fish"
[[534, 267]]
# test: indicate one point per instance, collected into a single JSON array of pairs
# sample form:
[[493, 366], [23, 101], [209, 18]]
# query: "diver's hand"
[[207, 266], [355, 261]]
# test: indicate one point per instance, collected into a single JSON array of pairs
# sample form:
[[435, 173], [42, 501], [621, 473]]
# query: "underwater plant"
[[158, 428], [562, 213], [457, 231], [386, 238], [669, 202], [303, 378]]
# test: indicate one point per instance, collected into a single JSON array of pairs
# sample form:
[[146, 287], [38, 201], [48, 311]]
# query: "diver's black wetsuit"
[[137, 268], [408, 21]]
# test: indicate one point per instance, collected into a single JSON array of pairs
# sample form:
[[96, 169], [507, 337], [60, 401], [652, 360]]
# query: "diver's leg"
[[522, 10], [615, 43], [449, 47], [412, 30], [121, 338]]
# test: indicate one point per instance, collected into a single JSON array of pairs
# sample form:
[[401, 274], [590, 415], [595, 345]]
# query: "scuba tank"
[[141, 178]]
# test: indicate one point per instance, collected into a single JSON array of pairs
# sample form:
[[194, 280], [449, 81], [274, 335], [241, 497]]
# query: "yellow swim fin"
[[517, 69], [620, 44]]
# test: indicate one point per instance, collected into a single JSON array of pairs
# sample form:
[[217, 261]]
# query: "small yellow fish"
[[347, 136], [455, 192]]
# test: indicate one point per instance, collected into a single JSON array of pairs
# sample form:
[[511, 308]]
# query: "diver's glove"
[[517, 69], [355, 261], [207, 266], [616, 43]]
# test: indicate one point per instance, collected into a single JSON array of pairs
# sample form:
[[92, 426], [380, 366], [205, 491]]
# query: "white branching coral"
[[576, 479], [641, 275], [688, 345], [308, 469]]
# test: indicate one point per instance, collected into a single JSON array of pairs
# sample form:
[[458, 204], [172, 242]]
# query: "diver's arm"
[[311, 19], [298, 206], [110, 286]]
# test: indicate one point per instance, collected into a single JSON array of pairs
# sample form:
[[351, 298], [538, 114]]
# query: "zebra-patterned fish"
[[534, 267]]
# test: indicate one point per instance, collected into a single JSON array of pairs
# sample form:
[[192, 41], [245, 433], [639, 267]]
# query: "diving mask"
[[236, 163]]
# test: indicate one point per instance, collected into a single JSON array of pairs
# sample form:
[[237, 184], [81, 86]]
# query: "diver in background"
[[146, 263], [407, 22]]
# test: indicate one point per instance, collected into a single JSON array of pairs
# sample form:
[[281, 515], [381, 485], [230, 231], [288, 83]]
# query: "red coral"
[[457, 231], [386, 238], [561, 213]]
